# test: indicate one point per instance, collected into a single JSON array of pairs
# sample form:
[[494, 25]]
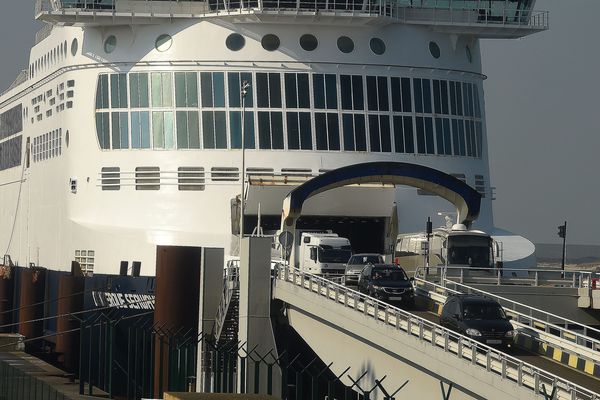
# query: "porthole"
[[469, 54], [308, 42], [65, 48], [74, 47], [377, 46], [434, 49], [235, 42], [110, 44], [67, 138], [270, 42], [345, 44], [163, 43]]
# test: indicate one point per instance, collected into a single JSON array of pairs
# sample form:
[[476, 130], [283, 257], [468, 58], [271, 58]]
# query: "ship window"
[[268, 90], [235, 127], [138, 90], [70, 83], [103, 130], [118, 91], [377, 46], [354, 132], [401, 95], [147, 178], [325, 91], [425, 143], [111, 178], [345, 44], [422, 89], [379, 133], [479, 139], [377, 93], [469, 54], [162, 89], [212, 89], [188, 130], [110, 44], [403, 135], [186, 89], [352, 92], [191, 178], [214, 130], [270, 42], [10, 151], [235, 42], [443, 136], [163, 43], [120, 130], [297, 91], [101, 92], [270, 130], [308, 42], [434, 49], [327, 131], [224, 174], [140, 130], [459, 137], [476, 101], [299, 132], [235, 87], [440, 97], [162, 130], [69, 104]]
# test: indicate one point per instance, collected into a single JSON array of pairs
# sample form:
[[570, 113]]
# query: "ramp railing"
[[230, 285], [525, 375], [530, 316]]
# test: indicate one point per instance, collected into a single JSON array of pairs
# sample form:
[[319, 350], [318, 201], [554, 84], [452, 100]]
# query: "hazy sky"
[[542, 104]]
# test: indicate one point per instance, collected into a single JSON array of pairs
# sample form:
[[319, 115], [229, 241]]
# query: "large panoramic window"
[[294, 110]]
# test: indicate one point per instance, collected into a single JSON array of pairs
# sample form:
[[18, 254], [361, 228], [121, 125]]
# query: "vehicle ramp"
[[347, 328], [563, 340]]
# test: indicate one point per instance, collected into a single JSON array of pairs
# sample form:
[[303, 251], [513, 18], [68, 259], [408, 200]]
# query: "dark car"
[[357, 263], [387, 282], [478, 317]]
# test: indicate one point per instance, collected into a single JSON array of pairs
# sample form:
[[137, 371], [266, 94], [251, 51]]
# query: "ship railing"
[[431, 12], [528, 317], [513, 276], [43, 33], [525, 375]]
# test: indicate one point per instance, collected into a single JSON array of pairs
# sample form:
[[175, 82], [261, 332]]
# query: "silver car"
[[355, 265]]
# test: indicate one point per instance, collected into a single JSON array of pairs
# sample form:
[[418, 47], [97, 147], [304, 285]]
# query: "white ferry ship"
[[125, 130]]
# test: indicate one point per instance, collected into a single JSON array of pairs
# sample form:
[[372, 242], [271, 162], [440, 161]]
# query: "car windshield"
[[483, 311], [330, 255], [469, 250], [389, 275], [364, 260]]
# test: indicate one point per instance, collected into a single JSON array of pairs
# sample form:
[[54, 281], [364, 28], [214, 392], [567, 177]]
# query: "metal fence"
[[17, 385], [510, 369]]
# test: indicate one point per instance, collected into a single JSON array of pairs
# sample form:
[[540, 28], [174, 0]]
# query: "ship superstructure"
[[125, 131]]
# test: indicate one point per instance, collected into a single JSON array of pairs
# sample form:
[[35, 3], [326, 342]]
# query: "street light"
[[243, 92]]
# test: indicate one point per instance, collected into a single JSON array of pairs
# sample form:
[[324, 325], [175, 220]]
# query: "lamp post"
[[243, 92]]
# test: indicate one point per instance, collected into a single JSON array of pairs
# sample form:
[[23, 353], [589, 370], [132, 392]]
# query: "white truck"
[[322, 253]]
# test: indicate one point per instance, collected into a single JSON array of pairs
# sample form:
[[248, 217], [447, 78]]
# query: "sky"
[[542, 106]]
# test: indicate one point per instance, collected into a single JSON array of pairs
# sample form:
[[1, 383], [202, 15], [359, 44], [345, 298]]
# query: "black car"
[[387, 282], [478, 317]]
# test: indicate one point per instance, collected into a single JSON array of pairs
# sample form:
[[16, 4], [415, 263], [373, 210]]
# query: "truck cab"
[[323, 253]]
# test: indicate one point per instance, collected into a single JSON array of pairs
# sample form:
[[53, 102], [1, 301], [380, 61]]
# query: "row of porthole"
[[308, 42], [162, 44], [271, 42], [57, 54]]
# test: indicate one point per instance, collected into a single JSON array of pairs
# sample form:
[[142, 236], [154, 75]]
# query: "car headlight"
[[377, 287], [473, 332], [511, 334]]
